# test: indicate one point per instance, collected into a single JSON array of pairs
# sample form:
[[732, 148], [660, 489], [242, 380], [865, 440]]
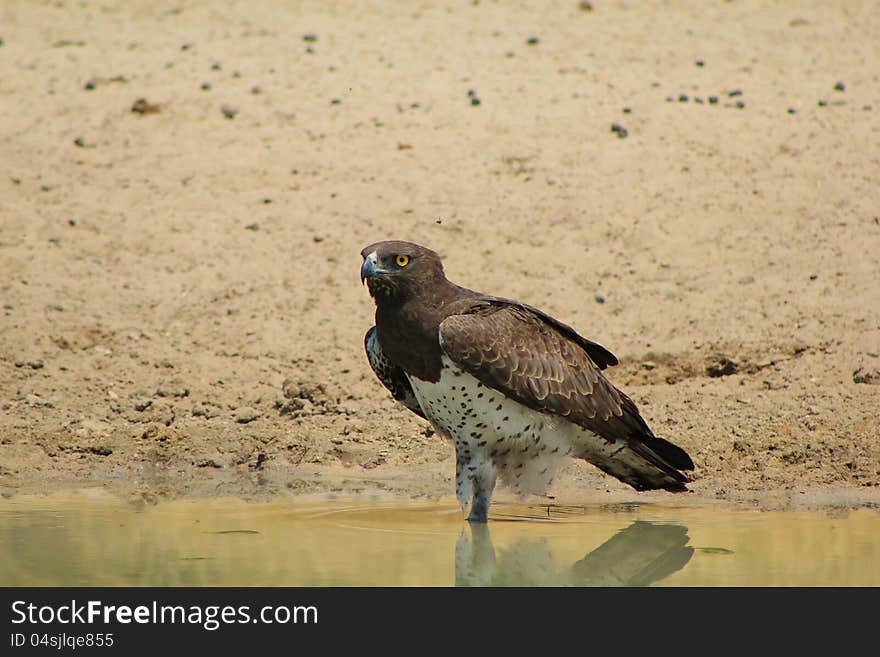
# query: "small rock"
[[172, 391], [205, 411], [310, 37], [599, 297], [533, 41], [864, 375], [683, 98], [142, 405], [143, 106], [649, 365], [245, 415], [619, 130], [229, 111], [722, 366], [38, 402], [840, 86]]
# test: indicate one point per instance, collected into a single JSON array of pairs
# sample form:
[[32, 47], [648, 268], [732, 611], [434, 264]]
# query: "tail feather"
[[672, 454]]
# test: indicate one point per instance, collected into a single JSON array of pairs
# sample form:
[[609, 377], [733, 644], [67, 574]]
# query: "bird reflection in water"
[[639, 555]]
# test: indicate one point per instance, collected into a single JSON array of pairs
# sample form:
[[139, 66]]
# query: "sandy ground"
[[181, 309]]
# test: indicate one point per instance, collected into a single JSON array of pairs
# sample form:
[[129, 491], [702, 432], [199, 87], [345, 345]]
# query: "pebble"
[[620, 131], [863, 375], [143, 106], [840, 86], [599, 297], [228, 111], [38, 402], [172, 391], [722, 366], [245, 415]]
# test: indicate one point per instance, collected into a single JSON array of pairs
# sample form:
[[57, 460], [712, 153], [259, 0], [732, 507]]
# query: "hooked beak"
[[369, 268]]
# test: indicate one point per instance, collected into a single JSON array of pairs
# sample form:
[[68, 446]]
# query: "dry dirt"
[[185, 192]]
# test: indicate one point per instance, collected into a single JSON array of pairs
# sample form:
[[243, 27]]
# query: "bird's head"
[[398, 270]]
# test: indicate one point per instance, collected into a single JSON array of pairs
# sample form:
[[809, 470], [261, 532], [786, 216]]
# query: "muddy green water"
[[87, 539]]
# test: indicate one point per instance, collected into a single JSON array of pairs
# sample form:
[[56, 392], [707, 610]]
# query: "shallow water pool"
[[82, 539]]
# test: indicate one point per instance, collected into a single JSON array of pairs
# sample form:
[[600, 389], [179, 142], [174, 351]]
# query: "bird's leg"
[[483, 484], [479, 508]]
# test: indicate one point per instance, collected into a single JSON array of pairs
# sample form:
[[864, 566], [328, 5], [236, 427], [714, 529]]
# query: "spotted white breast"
[[497, 436]]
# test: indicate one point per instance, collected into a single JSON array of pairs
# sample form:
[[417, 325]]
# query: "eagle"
[[515, 390]]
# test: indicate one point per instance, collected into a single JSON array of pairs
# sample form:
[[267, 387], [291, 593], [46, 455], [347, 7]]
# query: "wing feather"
[[514, 349], [391, 376]]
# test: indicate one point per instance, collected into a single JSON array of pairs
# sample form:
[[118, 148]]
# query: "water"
[[87, 539]]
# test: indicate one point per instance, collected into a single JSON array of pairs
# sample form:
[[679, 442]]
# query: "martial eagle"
[[516, 390]]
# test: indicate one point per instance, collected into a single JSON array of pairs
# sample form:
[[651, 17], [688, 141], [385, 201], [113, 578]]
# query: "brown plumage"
[[533, 368]]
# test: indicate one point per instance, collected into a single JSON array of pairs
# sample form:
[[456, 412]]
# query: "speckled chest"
[[487, 427]]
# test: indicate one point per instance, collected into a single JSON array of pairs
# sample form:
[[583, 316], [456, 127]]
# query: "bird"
[[516, 391]]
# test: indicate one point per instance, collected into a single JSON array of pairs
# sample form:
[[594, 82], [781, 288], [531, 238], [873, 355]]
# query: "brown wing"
[[516, 351]]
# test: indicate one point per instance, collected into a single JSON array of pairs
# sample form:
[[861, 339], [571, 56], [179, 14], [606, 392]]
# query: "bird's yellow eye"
[[402, 260]]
